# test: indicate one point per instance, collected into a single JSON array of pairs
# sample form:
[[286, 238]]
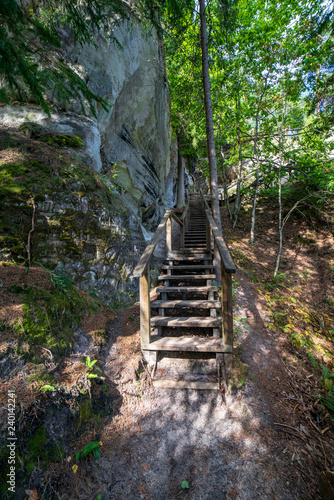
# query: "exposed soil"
[[272, 438]]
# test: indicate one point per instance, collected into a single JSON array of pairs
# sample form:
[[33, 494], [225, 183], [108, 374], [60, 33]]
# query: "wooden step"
[[195, 239], [187, 277], [194, 244], [190, 267], [189, 289], [186, 321], [187, 257], [198, 304], [185, 384], [195, 234], [187, 252], [189, 344]]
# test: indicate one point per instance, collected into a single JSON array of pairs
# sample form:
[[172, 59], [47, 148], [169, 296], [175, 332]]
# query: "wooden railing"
[[142, 270], [227, 269]]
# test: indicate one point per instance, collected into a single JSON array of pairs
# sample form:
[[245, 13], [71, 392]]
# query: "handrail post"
[[169, 236], [208, 235], [183, 231], [227, 312], [145, 307]]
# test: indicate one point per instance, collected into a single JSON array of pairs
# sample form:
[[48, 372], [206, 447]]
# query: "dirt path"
[[159, 438]]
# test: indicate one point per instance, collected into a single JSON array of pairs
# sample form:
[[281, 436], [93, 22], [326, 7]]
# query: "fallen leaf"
[[32, 494], [146, 467], [142, 488], [75, 468]]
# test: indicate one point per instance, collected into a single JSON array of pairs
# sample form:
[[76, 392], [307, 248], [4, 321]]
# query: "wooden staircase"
[[187, 316]]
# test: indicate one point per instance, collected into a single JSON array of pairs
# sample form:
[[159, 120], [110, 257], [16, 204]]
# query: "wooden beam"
[[145, 307], [221, 245], [188, 344], [227, 310], [184, 384], [169, 236], [175, 217], [146, 256]]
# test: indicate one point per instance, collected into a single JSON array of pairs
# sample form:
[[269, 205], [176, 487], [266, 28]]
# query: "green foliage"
[[30, 61], [47, 388], [90, 448], [90, 368], [185, 485], [50, 316]]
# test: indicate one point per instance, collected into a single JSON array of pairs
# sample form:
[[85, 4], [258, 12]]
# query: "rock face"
[[133, 139], [129, 146], [136, 133]]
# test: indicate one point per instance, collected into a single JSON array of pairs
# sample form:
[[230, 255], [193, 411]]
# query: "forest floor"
[[273, 437]]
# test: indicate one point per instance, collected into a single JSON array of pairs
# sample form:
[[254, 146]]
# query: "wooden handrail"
[[221, 245], [146, 256], [173, 216], [185, 211]]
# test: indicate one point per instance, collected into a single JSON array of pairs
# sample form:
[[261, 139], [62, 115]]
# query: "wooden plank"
[[184, 214], [161, 289], [188, 322], [190, 267], [145, 307], [175, 217], [146, 256], [199, 304], [184, 384], [189, 258], [227, 311], [223, 250], [188, 344], [187, 276], [169, 235]]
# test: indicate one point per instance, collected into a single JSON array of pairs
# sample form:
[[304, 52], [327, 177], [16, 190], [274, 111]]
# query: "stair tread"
[[187, 276], [187, 289], [190, 267], [189, 258], [185, 384], [187, 343], [186, 321], [200, 304]]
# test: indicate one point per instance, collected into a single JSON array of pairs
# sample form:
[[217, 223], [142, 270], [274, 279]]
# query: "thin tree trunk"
[[227, 201], [209, 119], [254, 206], [237, 202], [281, 153], [180, 176], [280, 231], [256, 154], [210, 137]]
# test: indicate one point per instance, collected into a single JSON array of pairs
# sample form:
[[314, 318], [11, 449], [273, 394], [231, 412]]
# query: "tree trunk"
[[237, 203], [226, 198], [281, 163], [254, 206], [180, 176], [209, 119], [256, 155]]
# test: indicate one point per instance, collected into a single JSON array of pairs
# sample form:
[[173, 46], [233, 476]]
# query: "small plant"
[[295, 340], [185, 485], [90, 448], [90, 367], [327, 379], [47, 388]]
